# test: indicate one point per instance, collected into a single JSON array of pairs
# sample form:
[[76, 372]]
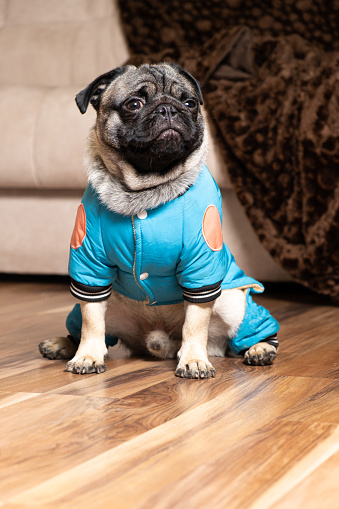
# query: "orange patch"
[[211, 228], [79, 232]]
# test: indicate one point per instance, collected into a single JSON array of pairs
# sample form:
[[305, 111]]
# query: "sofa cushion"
[[34, 12], [59, 55], [42, 135], [70, 49]]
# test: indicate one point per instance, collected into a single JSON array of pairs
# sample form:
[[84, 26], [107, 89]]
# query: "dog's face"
[[149, 120]]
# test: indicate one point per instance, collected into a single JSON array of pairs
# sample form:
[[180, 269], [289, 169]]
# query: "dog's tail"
[[160, 345]]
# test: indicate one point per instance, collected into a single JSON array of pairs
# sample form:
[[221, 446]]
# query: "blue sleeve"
[[89, 267], [202, 265]]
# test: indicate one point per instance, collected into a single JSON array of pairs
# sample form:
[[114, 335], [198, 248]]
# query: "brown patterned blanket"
[[270, 78]]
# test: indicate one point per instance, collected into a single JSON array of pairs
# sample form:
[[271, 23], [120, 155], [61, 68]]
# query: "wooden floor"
[[138, 437]]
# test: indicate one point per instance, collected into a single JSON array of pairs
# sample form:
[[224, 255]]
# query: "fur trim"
[[118, 198]]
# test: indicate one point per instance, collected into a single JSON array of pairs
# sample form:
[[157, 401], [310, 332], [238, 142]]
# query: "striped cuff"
[[90, 293], [203, 294], [271, 340]]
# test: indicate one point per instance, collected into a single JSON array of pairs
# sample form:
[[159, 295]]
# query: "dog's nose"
[[166, 111]]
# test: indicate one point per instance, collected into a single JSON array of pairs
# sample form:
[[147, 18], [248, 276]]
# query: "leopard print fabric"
[[154, 25], [273, 102]]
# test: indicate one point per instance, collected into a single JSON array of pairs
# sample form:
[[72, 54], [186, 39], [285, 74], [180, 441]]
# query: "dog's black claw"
[[180, 373], [80, 368], [46, 352], [195, 374]]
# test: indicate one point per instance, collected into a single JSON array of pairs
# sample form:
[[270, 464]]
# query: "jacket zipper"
[[134, 261]]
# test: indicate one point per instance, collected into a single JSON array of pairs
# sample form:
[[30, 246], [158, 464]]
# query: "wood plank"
[[318, 487], [8, 398], [231, 480], [127, 378]]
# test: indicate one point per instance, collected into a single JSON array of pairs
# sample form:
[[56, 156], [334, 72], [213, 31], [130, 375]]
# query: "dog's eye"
[[190, 103], [133, 104]]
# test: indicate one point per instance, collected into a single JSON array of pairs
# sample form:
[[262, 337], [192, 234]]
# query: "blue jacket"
[[161, 256]]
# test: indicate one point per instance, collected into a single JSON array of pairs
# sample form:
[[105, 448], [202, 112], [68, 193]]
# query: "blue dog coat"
[[172, 253]]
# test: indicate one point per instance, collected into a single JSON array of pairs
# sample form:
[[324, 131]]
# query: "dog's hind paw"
[[260, 354], [58, 348], [85, 365]]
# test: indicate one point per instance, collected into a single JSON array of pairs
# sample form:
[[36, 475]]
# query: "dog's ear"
[[190, 78], [92, 93]]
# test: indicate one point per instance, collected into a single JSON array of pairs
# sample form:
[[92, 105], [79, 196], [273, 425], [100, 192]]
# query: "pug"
[[148, 264]]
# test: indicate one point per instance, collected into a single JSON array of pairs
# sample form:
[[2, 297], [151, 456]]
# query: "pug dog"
[[147, 259]]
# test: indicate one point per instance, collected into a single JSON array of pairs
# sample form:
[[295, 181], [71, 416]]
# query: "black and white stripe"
[[203, 294], [271, 340], [90, 293]]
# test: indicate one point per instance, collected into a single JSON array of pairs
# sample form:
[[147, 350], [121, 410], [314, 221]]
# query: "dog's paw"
[[260, 354], [195, 369], [83, 365], [57, 348]]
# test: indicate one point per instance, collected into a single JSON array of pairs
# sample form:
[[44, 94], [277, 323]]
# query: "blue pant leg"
[[74, 323], [256, 326]]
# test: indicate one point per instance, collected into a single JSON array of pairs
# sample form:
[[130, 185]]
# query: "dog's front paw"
[[58, 348], [195, 369], [260, 354], [83, 365]]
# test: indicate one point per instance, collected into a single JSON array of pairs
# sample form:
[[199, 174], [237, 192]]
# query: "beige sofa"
[[50, 50]]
